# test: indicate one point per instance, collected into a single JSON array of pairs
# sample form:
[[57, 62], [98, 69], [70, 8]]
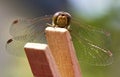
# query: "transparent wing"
[[15, 47], [26, 30], [29, 29], [91, 44]]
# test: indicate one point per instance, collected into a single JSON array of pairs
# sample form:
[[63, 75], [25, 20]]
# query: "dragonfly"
[[90, 42]]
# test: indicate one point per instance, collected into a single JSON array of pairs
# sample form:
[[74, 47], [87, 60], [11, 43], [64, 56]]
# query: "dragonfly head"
[[61, 19]]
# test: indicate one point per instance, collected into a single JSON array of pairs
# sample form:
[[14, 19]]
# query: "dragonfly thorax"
[[61, 19]]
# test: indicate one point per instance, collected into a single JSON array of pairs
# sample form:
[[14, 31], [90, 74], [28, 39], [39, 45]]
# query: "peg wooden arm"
[[41, 60]]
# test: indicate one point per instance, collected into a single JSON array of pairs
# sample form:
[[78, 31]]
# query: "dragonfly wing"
[[26, 30], [29, 29], [90, 44], [15, 47]]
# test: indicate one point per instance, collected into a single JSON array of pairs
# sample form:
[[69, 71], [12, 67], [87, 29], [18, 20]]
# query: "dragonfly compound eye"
[[61, 19]]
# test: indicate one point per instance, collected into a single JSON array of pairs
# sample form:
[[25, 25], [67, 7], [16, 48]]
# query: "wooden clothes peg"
[[57, 59]]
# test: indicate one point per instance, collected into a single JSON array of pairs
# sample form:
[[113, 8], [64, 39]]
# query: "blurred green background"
[[101, 13]]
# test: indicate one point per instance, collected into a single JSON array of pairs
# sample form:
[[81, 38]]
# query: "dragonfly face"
[[90, 43], [61, 19]]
